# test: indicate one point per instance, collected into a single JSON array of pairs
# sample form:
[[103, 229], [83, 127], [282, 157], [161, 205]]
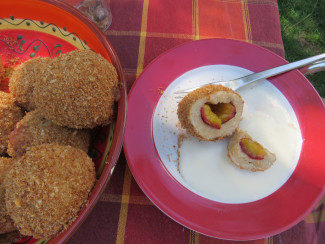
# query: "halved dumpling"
[[211, 112], [247, 153]]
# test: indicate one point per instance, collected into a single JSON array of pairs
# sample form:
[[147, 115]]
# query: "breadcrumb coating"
[[10, 114], [6, 224], [23, 79], [47, 187], [34, 130], [78, 90]]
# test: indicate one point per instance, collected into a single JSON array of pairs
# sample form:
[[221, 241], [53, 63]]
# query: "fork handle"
[[312, 64], [313, 68]]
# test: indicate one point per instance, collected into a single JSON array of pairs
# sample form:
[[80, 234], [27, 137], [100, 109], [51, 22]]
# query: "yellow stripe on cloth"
[[256, 2], [247, 22], [316, 217], [170, 35], [127, 71], [310, 219], [269, 44], [127, 175], [143, 33], [269, 240], [124, 206], [318, 214], [111, 198], [195, 19], [194, 237]]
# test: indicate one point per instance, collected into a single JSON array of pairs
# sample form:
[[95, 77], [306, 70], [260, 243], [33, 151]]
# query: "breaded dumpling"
[[248, 154], [79, 90], [23, 79], [2, 70], [211, 112], [6, 224], [47, 187], [10, 114], [34, 130]]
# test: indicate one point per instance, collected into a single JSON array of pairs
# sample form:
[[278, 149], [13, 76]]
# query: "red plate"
[[265, 217]]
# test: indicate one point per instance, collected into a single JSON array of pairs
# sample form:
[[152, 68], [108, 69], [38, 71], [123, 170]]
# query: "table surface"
[[140, 31]]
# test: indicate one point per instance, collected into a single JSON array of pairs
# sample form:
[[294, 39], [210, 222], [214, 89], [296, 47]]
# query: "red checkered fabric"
[[141, 30]]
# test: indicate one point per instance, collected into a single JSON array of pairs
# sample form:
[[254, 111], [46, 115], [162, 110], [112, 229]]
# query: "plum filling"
[[217, 114], [252, 148], [210, 117]]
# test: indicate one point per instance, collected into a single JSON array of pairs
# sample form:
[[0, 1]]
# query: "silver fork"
[[308, 66]]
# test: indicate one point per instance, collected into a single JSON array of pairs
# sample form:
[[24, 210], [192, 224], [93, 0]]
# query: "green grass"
[[303, 33]]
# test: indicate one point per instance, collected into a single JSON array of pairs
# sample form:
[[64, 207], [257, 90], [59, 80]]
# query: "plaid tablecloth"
[[141, 30]]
